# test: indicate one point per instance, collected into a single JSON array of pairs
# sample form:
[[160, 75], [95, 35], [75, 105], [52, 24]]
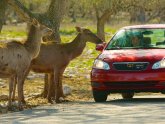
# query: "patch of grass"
[[12, 34], [67, 31], [13, 31]]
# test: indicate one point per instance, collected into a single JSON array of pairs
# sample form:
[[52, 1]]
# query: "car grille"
[[131, 84], [130, 66]]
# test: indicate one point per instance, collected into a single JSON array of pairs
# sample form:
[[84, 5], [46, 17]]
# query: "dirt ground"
[[80, 86]]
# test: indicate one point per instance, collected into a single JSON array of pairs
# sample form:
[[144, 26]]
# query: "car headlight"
[[159, 64], [99, 64]]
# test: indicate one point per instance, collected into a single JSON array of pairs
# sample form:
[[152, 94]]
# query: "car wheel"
[[100, 96], [127, 95]]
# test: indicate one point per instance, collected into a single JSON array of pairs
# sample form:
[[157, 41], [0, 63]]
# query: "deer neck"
[[33, 41], [76, 47]]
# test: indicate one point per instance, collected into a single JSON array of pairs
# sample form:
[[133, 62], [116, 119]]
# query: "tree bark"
[[100, 29], [141, 16], [3, 7], [101, 23], [55, 13], [133, 16]]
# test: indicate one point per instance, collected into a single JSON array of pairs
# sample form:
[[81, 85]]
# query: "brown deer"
[[15, 59], [54, 58]]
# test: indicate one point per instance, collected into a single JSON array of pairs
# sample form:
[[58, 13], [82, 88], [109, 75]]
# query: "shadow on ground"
[[137, 110]]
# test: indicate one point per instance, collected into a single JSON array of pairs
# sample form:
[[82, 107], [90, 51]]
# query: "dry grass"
[[81, 90]]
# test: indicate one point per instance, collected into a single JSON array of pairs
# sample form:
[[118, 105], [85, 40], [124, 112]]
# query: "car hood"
[[133, 55]]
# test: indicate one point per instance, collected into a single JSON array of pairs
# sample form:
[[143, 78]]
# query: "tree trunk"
[[101, 22], [3, 6], [133, 16], [55, 13], [141, 16], [100, 29]]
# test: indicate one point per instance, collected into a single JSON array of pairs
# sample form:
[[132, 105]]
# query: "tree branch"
[[27, 15], [107, 13], [96, 11]]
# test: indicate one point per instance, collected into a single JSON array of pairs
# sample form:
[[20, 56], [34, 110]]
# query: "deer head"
[[42, 29], [87, 35]]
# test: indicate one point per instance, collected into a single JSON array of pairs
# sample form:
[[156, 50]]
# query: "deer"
[[15, 59], [54, 58]]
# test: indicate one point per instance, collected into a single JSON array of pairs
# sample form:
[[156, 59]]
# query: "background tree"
[[78, 9], [104, 9], [145, 10], [3, 7], [52, 18], [55, 14]]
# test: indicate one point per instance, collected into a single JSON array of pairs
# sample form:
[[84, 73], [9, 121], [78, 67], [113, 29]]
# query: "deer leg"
[[51, 88], [10, 91], [61, 86], [14, 88], [24, 77], [57, 86], [45, 92], [20, 80]]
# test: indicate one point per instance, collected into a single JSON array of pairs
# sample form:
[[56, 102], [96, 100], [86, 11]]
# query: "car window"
[[138, 38]]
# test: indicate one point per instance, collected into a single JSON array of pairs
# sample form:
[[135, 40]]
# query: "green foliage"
[[13, 31], [67, 31], [11, 34], [36, 5]]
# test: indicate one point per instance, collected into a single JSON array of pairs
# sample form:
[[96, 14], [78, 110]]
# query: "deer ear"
[[35, 22], [79, 29]]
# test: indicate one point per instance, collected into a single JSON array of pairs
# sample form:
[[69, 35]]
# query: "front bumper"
[[138, 81]]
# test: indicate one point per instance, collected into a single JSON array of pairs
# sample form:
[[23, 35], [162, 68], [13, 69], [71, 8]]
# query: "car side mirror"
[[100, 47]]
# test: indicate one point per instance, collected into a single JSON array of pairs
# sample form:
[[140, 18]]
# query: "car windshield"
[[138, 38]]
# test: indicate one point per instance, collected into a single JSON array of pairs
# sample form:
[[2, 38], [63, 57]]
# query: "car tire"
[[127, 95], [100, 96]]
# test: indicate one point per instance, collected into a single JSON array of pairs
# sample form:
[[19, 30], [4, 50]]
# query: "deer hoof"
[[65, 100], [58, 101], [61, 99], [23, 101], [50, 101], [43, 94], [10, 108], [20, 108]]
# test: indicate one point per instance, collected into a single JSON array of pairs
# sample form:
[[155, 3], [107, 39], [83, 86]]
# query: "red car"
[[133, 61]]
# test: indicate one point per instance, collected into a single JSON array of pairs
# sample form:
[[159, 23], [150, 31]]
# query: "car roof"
[[145, 26]]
